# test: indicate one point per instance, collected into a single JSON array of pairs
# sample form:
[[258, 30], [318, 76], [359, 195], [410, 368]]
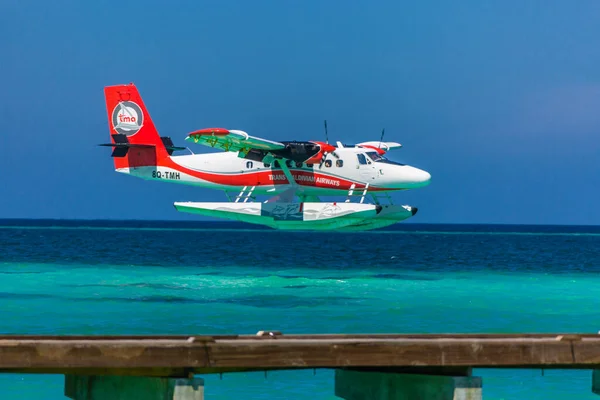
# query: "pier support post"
[[596, 381], [360, 385], [81, 387]]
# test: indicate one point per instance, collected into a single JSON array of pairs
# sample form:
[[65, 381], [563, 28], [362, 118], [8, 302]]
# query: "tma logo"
[[127, 118]]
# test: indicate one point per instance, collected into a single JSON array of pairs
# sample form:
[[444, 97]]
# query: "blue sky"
[[499, 101]]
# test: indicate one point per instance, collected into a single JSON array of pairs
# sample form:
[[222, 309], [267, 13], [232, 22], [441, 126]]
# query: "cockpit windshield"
[[373, 155]]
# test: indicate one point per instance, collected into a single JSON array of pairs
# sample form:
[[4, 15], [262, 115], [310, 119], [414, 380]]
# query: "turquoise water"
[[156, 278]]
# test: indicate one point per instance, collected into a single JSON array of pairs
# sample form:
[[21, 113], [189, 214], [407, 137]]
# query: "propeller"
[[325, 153], [322, 159], [381, 140], [327, 142]]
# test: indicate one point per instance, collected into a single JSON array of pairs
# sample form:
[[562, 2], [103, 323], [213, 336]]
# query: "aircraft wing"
[[386, 146], [232, 140]]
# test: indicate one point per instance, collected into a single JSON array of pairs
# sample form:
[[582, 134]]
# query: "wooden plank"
[[392, 352], [177, 355], [305, 336]]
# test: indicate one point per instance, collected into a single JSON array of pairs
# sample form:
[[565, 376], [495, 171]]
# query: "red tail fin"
[[135, 140]]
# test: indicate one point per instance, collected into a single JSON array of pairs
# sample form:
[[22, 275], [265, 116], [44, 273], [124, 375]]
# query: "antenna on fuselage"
[[381, 140], [326, 138]]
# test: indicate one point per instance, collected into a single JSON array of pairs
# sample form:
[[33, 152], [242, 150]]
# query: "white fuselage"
[[333, 176]]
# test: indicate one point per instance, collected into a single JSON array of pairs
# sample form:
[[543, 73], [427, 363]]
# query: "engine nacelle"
[[324, 149]]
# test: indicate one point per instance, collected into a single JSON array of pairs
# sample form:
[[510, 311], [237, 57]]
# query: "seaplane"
[[292, 175]]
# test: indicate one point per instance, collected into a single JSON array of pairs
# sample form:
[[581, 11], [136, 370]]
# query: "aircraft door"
[[366, 168]]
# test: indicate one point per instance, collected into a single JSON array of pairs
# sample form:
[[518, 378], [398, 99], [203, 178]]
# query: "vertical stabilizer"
[[134, 137]]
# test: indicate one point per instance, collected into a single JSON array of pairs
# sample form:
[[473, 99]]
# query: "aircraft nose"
[[419, 178]]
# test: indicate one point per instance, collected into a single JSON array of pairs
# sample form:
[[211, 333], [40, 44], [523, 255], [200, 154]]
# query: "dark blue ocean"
[[134, 277]]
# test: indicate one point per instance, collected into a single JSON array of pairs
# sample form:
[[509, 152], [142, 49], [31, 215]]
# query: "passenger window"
[[289, 163], [267, 165], [362, 159], [328, 163], [339, 163], [276, 164], [298, 164], [249, 164]]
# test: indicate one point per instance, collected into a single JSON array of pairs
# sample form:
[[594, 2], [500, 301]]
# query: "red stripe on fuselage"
[[269, 178]]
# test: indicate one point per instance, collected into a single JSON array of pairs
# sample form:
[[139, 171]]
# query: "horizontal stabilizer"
[[166, 140], [122, 145]]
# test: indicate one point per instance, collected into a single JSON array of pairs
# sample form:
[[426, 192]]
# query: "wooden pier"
[[367, 366]]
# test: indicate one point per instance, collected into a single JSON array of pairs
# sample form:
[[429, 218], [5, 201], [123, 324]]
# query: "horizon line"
[[244, 223]]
